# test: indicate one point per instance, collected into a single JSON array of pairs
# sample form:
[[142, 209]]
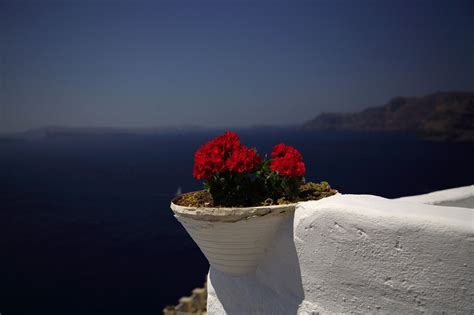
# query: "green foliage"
[[275, 185], [262, 187], [231, 189], [315, 191]]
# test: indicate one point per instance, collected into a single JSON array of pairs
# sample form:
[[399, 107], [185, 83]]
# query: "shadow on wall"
[[275, 288]]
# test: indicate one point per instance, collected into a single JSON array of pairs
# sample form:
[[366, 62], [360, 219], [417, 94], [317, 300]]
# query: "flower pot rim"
[[229, 214]]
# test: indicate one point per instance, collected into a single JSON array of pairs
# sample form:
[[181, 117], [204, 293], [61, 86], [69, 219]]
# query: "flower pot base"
[[232, 239]]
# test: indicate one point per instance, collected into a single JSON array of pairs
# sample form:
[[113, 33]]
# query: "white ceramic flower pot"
[[232, 239]]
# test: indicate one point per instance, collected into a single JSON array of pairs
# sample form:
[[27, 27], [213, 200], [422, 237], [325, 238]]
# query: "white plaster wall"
[[369, 254], [358, 254], [274, 289], [454, 197]]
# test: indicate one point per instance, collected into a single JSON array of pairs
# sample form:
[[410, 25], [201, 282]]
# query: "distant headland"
[[438, 116], [441, 116]]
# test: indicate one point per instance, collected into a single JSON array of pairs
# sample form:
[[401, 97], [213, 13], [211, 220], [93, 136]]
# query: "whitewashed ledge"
[[454, 197], [359, 254]]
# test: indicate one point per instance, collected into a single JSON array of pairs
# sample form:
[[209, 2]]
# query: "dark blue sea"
[[85, 223]]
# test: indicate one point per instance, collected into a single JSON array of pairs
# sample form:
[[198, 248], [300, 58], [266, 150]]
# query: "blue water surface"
[[85, 224]]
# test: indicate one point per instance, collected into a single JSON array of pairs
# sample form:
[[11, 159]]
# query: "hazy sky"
[[223, 63]]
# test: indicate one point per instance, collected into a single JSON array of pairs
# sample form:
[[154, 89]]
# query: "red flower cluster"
[[287, 161], [243, 160], [224, 153]]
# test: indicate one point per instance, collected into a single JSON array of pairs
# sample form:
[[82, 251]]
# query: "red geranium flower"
[[287, 161], [224, 153], [279, 150], [243, 160]]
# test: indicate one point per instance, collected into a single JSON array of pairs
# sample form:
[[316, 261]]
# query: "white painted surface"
[[224, 214], [455, 197], [358, 254], [233, 239], [234, 248], [275, 288]]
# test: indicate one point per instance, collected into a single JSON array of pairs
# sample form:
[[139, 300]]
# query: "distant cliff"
[[438, 116]]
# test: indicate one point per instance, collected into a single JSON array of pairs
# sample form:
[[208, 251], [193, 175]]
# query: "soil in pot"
[[308, 191]]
